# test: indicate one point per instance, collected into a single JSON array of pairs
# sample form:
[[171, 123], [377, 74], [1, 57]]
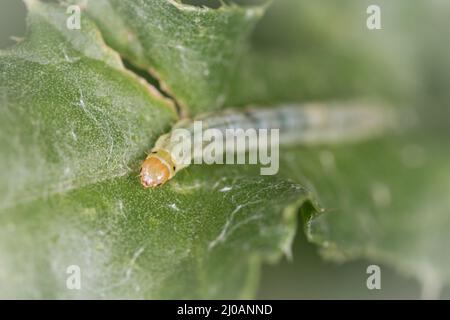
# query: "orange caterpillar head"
[[157, 168]]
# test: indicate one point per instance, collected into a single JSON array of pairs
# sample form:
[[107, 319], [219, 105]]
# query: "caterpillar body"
[[297, 124]]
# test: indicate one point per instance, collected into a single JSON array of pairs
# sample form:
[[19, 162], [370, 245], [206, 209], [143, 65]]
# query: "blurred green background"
[[307, 275]]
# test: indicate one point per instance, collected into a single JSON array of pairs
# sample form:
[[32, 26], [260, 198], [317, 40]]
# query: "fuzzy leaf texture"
[[74, 126], [192, 50]]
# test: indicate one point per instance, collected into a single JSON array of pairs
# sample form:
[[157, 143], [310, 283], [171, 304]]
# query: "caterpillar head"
[[157, 169]]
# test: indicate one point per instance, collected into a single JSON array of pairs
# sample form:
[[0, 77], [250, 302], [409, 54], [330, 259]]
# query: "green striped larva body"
[[301, 124]]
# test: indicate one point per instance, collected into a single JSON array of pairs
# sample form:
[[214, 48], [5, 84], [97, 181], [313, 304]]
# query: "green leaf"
[[386, 199], [75, 125], [174, 242], [72, 115], [192, 50]]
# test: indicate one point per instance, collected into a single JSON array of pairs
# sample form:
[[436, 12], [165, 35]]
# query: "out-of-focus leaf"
[[310, 50], [386, 199]]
